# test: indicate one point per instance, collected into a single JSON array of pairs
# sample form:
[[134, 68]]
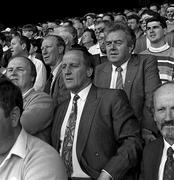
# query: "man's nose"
[[169, 115]]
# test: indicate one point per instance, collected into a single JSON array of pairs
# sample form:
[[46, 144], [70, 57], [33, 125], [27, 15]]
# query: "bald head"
[[163, 101]]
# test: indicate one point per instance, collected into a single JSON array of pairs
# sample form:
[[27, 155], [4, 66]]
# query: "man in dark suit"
[[139, 74], [107, 141], [155, 155]]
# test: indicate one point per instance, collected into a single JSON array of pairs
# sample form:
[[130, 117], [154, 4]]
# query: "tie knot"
[[76, 97], [119, 69], [170, 152]]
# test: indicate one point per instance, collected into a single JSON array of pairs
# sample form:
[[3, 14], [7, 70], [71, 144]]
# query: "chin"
[[168, 132]]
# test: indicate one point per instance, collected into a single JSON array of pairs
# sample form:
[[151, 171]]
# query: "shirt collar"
[[123, 66], [27, 92], [83, 93], [160, 49], [19, 148], [167, 145], [54, 72]]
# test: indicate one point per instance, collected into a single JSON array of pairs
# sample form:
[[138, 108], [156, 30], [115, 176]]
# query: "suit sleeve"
[[151, 81], [127, 136], [38, 113]]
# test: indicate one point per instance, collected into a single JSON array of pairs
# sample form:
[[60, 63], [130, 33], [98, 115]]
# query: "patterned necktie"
[[48, 84], [69, 137], [169, 166], [119, 83]]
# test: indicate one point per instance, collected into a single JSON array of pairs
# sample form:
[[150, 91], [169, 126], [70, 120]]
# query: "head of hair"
[[120, 26], [36, 43], [88, 58], [110, 15], [10, 96], [149, 12], [92, 32], [73, 31], [30, 27], [159, 18], [24, 40], [59, 40], [134, 16], [155, 4]]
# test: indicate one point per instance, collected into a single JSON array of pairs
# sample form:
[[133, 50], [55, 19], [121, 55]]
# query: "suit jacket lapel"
[[55, 80], [155, 160], [132, 68], [58, 121], [86, 120]]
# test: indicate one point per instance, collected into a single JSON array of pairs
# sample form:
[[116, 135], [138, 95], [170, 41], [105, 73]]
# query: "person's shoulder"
[[34, 95], [144, 57], [102, 65], [36, 147], [106, 92], [151, 146]]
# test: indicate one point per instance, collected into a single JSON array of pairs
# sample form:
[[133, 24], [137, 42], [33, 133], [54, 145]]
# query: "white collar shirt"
[[80, 105], [115, 74], [163, 159]]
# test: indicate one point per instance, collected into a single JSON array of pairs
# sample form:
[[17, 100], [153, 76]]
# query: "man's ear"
[[15, 116], [89, 72], [24, 46]]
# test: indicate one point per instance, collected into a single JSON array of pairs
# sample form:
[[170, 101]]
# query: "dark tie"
[[169, 165], [69, 137], [119, 82], [48, 84]]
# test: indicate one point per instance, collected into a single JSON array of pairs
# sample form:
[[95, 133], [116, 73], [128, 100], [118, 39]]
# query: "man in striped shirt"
[[156, 28]]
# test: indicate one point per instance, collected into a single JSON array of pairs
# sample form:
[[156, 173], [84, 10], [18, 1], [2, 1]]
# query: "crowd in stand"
[[89, 98]]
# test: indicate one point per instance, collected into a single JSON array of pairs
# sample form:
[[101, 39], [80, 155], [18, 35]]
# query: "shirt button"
[[97, 154]]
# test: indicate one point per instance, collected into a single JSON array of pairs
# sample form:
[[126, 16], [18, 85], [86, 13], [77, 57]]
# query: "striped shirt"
[[165, 58]]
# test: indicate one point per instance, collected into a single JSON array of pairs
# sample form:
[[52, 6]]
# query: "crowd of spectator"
[[89, 97]]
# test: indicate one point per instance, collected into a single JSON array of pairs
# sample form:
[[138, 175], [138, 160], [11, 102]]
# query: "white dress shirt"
[[115, 74], [77, 171], [41, 77], [163, 159]]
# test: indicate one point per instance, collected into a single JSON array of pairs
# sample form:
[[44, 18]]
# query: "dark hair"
[[159, 18], [88, 57], [10, 96], [2, 36], [36, 43], [134, 16], [92, 32], [24, 40], [110, 15], [30, 27], [149, 12]]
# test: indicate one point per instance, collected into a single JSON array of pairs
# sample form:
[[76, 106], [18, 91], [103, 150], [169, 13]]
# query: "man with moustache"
[[157, 154]]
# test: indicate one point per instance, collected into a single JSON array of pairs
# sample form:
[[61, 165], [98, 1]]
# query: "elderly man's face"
[[164, 111], [19, 71]]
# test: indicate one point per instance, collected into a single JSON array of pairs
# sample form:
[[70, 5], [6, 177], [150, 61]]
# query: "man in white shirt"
[[154, 162], [106, 130], [23, 156]]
